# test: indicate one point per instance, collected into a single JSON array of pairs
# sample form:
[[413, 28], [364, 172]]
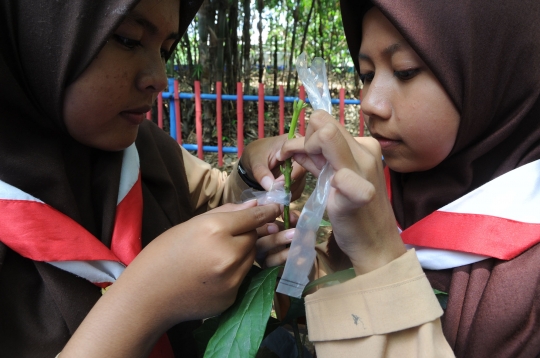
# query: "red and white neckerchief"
[[500, 219], [39, 232]]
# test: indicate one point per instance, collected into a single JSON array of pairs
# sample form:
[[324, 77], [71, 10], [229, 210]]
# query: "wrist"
[[373, 259], [246, 177]]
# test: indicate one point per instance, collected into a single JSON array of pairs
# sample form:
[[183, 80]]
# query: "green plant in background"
[[197, 71]]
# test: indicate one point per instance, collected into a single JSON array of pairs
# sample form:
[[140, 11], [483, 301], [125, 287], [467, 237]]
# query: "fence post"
[[198, 119], [302, 117], [178, 120], [239, 119], [281, 110], [219, 124], [160, 110], [172, 110], [361, 117], [260, 107], [342, 106]]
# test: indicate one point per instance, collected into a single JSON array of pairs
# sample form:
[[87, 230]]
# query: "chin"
[[112, 143]]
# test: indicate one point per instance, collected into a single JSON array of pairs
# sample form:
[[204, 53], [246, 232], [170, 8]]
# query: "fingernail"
[[266, 182], [278, 155], [272, 228], [289, 234]]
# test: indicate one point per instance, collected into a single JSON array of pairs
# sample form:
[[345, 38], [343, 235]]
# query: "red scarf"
[[39, 232], [500, 219]]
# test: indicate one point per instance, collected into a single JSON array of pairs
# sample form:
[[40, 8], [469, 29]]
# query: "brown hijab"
[[44, 47], [486, 55]]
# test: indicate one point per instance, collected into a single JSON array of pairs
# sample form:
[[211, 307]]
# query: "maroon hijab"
[[486, 54], [44, 47]]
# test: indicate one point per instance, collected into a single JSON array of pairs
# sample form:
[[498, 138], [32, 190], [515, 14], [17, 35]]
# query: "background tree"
[[218, 47]]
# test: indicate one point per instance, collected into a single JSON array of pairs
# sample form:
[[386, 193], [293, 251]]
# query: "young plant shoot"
[[298, 105]]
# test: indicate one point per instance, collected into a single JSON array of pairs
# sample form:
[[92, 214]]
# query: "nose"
[[153, 77], [376, 100]]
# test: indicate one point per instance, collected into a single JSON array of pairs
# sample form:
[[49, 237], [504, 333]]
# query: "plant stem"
[[299, 345], [287, 170]]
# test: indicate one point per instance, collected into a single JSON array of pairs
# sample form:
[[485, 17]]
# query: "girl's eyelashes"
[[131, 44], [127, 42], [367, 77], [401, 75], [407, 74]]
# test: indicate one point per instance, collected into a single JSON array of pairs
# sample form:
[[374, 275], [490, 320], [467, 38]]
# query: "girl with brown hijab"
[[86, 184], [451, 97]]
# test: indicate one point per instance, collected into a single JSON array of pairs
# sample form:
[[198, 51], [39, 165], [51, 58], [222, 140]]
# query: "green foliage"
[[442, 297], [325, 223], [241, 328], [197, 71]]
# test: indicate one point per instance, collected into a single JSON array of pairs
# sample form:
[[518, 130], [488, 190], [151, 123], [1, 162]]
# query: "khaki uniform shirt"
[[389, 312]]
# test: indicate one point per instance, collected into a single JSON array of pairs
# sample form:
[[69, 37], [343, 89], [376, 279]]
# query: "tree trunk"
[[260, 7], [206, 31], [285, 40], [304, 38], [221, 35], [247, 45], [232, 58], [321, 27], [274, 89], [187, 46], [293, 40]]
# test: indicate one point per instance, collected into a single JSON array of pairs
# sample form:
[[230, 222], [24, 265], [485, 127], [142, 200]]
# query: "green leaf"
[[442, 297], [339, 276], [437, 292], [325, 223], [242, 326]]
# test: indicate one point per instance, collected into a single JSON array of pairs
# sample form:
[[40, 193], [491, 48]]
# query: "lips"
[[386, 143], [136, 115]]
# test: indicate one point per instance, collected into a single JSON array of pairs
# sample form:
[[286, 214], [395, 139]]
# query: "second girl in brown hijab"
[[451, 98]]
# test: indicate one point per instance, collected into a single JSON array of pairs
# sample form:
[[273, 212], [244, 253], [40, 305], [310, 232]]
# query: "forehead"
[[378, 32], [160, 14]]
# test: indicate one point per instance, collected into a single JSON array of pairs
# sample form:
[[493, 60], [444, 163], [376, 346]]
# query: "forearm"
[[117, 326], [209, 187]]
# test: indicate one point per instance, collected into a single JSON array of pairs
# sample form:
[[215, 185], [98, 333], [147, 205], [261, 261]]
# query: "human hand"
[[260, 161], [211, 253], [191, 271], [358, 207], [273, 243]]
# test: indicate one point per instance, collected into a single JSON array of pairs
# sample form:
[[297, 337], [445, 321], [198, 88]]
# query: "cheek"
[[433, 124]]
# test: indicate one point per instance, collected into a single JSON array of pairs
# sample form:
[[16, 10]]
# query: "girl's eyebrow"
[[134, 16], [388, 51]]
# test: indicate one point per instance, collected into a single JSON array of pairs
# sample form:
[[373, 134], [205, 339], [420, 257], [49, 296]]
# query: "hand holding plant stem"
[[297, 108]]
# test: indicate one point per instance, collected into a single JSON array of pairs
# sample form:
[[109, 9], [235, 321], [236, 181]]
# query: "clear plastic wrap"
[[302, 251], [275, 195]]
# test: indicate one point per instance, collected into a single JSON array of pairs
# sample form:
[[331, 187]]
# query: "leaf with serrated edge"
[[242, 326]]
